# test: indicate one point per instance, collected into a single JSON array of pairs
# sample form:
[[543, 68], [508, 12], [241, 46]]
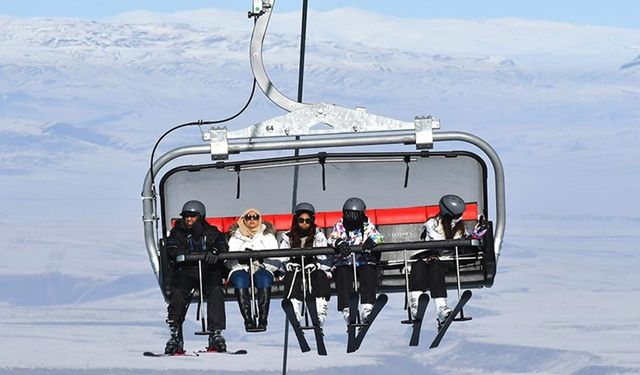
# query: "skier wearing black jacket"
[[193, 235]]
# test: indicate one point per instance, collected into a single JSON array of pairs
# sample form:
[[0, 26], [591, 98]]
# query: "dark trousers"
[[186, 279], [428, 276], [367, 283], [319, 284]]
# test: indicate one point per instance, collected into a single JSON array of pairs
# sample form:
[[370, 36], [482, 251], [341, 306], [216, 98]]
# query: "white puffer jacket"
[[262, 240]]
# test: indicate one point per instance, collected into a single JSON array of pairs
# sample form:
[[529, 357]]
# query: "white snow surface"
[[81, 104]]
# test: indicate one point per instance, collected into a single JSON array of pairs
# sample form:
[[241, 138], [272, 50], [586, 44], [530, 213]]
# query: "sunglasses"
[[305, 221], [252, 217]]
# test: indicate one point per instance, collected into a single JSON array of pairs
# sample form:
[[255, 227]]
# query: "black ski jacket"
[[198, 239]]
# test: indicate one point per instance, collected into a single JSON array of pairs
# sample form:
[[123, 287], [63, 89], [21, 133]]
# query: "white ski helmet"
[[194, 207], [452, 206]]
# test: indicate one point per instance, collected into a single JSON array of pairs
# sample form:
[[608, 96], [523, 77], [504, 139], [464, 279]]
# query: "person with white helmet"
[[355, 229], [304, 233], [428, 272], [193, 235]]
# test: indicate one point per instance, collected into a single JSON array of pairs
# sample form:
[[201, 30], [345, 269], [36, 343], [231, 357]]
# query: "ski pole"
[[406, 281], [355, 274], [309, 284], [253, 293], [458, 271], [304, 293], [459, 287], [204, 326], [355, 278], [295, 273]]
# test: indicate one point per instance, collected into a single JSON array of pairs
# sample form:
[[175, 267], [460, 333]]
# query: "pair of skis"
[[354, 340], [423, 301], [194, 354], [289, 311]]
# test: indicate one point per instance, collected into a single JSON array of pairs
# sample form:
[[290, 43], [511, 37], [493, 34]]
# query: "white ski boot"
[[413, 303], [345, 314], [365, 310], [442, 310], [322, 307], [297, 305]]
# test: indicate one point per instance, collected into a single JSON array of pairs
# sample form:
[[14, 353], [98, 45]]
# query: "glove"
[[368, 245], [310, 267], [342, 248], [291, 266], [210, 258]]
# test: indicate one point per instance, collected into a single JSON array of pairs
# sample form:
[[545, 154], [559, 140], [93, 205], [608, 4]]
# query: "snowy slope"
[[81, 104]]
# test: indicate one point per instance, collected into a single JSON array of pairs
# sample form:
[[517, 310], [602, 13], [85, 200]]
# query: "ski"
[[466, 295], [423, 301], [235, 352], [381, 300], [287, 306], [184, 354], [353, 317], [317, 329]]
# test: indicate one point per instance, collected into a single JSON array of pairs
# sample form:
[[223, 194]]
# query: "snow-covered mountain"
[[81, 104]]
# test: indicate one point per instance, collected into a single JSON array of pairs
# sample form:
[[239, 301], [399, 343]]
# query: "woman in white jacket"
[[428, 272], [250, 233], [316, 269]]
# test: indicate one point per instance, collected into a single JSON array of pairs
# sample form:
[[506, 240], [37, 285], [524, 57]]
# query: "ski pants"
[[186, 279], [428, 274], [367, 283], [319, 284]]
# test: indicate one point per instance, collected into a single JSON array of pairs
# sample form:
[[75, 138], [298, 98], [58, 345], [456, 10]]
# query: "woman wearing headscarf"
[[250, 233]]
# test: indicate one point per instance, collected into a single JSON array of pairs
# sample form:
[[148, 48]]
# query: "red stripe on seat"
[[380, 216]]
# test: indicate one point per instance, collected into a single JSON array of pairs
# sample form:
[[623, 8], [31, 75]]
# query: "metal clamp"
[[424, 131], [217, 137], [259, 7]]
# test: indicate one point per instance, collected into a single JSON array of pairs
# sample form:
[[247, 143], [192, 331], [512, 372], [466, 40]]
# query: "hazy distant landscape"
[[82, 103]]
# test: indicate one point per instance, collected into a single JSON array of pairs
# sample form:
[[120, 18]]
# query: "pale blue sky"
[[622, 13]]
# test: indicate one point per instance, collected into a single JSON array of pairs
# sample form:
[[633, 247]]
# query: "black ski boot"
[[264, 300], [175, 345], [244, 302], [217, 342]]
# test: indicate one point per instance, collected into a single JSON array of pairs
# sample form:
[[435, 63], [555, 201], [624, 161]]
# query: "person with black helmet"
[[427, 272], [355, 229], [194, 235], [305, 234]]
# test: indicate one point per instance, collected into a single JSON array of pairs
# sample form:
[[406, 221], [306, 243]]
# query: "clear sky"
[[622, 13]]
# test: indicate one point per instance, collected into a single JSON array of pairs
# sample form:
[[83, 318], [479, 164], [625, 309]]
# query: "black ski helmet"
[[354, 204], [452, 206], [304, 207], [194, 207]]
